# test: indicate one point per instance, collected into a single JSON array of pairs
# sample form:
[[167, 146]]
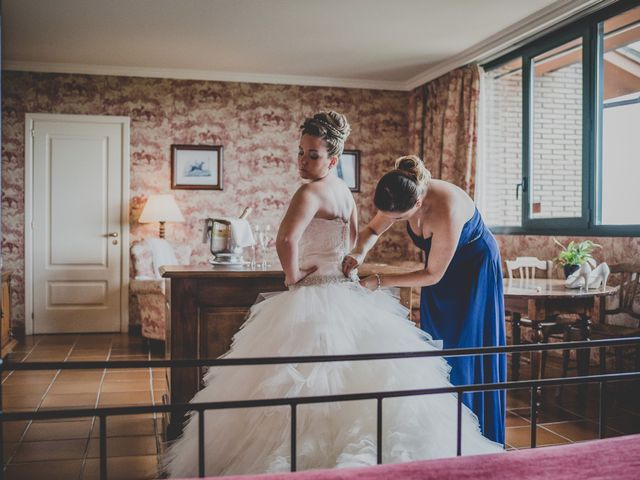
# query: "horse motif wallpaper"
[[258, 125]]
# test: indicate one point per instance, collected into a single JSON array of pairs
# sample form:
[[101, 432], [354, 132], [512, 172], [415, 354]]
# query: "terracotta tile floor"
[[69, 449]]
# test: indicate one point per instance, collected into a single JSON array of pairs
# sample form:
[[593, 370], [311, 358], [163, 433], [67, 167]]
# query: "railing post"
[[200, 443], [379, 431], [534, 415], [103, 447], [294, 421], [459, 426], [602, 424]]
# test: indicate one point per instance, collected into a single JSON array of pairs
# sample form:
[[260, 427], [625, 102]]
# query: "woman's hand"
[[349, 263], [301, 275], [371, 282]]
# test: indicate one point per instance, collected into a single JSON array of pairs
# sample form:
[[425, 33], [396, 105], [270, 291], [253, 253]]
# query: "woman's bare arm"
[[444, 242], [303, 207], [366, 240]]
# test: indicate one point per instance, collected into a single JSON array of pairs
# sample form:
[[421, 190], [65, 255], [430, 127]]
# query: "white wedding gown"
[[328, 315]]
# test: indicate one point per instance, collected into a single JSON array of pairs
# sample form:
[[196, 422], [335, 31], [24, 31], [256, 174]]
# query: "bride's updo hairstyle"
[[400, 189], [332, 127]]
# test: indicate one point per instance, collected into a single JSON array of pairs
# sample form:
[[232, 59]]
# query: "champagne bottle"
[[247, 211]]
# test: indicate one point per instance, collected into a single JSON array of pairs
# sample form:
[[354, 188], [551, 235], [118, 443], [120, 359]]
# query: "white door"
[[77, 223]]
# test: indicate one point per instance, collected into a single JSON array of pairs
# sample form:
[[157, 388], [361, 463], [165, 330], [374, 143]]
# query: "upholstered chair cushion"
[[148, 286], [142, 261]]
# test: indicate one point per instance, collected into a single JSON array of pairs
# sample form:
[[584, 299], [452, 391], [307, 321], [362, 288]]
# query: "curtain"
[[444, 115]]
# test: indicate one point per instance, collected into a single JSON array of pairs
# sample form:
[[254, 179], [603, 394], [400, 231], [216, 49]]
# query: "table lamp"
[[161, 208]]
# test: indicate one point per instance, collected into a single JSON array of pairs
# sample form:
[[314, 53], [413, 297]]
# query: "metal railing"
[[293, 402]]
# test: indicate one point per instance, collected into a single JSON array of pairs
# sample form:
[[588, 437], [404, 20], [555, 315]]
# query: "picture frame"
[[348, 169], [196, 167]]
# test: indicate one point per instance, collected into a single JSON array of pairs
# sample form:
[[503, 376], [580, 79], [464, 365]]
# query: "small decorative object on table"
[[580, 277], [598, 276], [575, 254], [588, 278], [264, 235], [227, 238], [577, 262]]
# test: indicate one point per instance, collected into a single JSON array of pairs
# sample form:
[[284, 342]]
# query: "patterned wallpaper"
[[258, 126], [256, 123]]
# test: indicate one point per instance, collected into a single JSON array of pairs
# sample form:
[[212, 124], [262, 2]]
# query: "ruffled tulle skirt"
[[327, 319]]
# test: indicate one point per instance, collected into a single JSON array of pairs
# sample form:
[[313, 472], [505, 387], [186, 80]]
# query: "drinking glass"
[[256, 230], [265, 236]]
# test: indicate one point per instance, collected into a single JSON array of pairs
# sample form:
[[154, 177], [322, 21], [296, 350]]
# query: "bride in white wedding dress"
[[324, 313]]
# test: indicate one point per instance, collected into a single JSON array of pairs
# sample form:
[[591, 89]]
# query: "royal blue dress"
[[466, 309]]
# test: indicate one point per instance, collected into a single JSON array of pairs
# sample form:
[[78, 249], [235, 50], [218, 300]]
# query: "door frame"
[[125, 124]]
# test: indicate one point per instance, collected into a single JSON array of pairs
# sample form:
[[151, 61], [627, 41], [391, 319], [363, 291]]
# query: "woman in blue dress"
[[461, 301]]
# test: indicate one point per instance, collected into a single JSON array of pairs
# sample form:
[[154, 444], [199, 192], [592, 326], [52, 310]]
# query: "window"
[[504, 144], [560, 141], [556, 151], [620, 159]]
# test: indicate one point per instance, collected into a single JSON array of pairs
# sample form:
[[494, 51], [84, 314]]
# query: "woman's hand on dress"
[[301, 275], [349, 263], [370, 282]]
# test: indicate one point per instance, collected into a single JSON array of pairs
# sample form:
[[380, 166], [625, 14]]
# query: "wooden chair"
[[527, 267], [627, 298], [532, 267]]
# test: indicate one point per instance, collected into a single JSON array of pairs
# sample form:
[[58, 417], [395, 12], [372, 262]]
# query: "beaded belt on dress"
[[315, 280]]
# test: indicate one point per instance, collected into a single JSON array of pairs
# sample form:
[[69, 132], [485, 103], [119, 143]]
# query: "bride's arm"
[[302, 209], [366, 240]]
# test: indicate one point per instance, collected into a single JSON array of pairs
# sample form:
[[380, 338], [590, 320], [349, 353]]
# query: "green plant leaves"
[[576, 253]]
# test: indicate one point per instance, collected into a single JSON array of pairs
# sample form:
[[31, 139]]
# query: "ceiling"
[[361, 43]]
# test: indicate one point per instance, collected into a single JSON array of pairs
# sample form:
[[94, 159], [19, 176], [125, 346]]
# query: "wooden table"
[[206, 305], [540, 299]]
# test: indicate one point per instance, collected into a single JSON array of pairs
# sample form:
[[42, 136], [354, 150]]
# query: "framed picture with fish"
[[196, 167]]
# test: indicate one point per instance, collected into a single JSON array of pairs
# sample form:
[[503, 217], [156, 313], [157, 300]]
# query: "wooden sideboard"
[[207, 305], [7, 341]]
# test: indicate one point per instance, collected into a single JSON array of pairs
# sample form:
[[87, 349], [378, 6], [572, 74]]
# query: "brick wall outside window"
[[557, 145], [503, 147]]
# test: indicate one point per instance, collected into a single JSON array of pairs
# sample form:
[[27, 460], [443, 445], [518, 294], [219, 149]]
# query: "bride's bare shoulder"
[[307, 189], [306, 193]]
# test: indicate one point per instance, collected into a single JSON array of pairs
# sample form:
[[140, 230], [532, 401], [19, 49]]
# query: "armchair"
[[148, 287]]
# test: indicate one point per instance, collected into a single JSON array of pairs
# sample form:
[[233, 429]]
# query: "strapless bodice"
[[324, 244]]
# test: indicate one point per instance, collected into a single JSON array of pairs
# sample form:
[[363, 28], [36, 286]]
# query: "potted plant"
[[575, 254]]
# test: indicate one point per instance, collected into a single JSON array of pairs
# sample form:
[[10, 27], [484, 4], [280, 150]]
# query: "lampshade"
[[161, 208]]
